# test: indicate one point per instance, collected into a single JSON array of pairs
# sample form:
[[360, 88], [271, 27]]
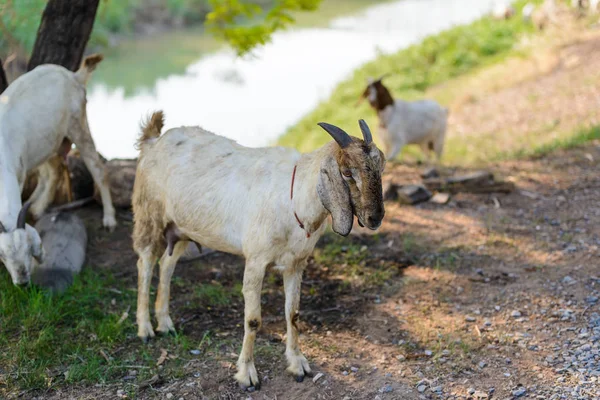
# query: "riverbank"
[[474, 70]]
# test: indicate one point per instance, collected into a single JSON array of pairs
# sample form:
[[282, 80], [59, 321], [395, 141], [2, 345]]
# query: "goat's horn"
[[2, 228], [365, 131], [341, 137], [383, 76], [23, 215]]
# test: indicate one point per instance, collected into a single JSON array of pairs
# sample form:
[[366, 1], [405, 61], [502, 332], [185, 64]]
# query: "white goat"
[[267, 204], [592, 5], [37, 112], [402, 123]]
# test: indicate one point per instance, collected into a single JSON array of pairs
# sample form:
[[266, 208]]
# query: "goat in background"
[[37, 112], [402, 122]]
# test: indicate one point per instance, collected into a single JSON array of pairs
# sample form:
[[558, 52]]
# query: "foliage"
[[413, 70], [243, 24], [227, 17]]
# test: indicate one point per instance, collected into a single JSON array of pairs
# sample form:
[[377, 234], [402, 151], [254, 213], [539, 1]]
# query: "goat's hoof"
[[168, 332], [299, 367], [109, 222], [247, 377], [254, 387], [146, 339]]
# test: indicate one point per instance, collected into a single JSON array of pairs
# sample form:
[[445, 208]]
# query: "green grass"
[[569, 141], [46, 340], [437, 59]]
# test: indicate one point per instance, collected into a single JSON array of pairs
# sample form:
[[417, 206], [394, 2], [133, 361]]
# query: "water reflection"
[[254, 100]]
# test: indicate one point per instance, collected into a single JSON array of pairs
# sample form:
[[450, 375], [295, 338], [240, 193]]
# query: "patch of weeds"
[[566, 141], [52, 339], [214, 294]]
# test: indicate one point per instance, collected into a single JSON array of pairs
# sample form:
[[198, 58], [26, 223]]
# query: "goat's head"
[[378, 95], [19, 247], [350, 180]]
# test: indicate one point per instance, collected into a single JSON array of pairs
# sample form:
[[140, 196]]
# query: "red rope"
[[291, 197]]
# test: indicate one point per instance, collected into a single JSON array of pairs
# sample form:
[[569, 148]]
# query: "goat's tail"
[[87, 66], [151, 129]]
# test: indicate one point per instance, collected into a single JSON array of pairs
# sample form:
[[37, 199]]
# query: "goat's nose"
[[374, 222]]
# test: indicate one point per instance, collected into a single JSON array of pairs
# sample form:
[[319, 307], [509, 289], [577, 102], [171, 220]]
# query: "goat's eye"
[[347, 173]]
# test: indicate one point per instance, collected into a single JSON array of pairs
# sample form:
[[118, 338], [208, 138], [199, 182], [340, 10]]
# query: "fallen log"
[[120, 174], [64, 239]]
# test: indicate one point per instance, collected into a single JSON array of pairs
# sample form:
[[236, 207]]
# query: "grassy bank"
[[438, 58]]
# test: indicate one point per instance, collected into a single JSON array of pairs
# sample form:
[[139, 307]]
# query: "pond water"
[[253, 100]]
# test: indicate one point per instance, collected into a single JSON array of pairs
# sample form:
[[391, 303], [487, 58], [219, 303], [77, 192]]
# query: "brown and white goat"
[[269, 205], [402, 122]]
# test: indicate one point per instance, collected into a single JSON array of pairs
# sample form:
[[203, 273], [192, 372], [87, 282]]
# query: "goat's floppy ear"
[[35, 242], [335, 196]]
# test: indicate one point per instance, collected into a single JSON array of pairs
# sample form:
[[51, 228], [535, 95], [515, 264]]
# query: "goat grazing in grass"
[[269, 205], [402, 123], [37, 112]]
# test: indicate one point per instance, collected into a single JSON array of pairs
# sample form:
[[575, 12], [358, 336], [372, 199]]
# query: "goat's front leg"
[[297, 363], [167, 266], [253, 280]]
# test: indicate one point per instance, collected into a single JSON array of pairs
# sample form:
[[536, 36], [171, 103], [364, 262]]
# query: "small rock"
[[390, 191], [440, 198], [169, 395], [480, 395], [591, 299], [482, 364], [430, 173], [317, 377], [515, 314], [567, 280], [353, 369], [428, 353], [413, 194], [497, 308], [469, 318], [471, 391], [421, 388], [345, 373], [195, 352], [519, 391], [386, 389], [437, 389]]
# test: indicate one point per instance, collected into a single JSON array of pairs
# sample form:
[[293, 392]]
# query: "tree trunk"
[[63, 33], [3, 80]]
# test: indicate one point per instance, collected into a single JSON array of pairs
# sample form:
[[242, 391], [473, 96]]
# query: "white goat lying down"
[[269, 205], [402, 122], [37, 111]]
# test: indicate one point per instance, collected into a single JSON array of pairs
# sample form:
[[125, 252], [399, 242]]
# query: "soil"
[[474, 297], [488, 296]]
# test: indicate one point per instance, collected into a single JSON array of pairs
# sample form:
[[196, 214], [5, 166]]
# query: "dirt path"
[[465, 300]]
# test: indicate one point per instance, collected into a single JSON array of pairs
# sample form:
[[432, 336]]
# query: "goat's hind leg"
[[167, 266], [297, 363], [84, 142], [45, 190], [145, 265]]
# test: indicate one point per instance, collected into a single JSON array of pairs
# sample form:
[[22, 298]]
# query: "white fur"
[[419, 122], [237, 200], [37, 111]]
